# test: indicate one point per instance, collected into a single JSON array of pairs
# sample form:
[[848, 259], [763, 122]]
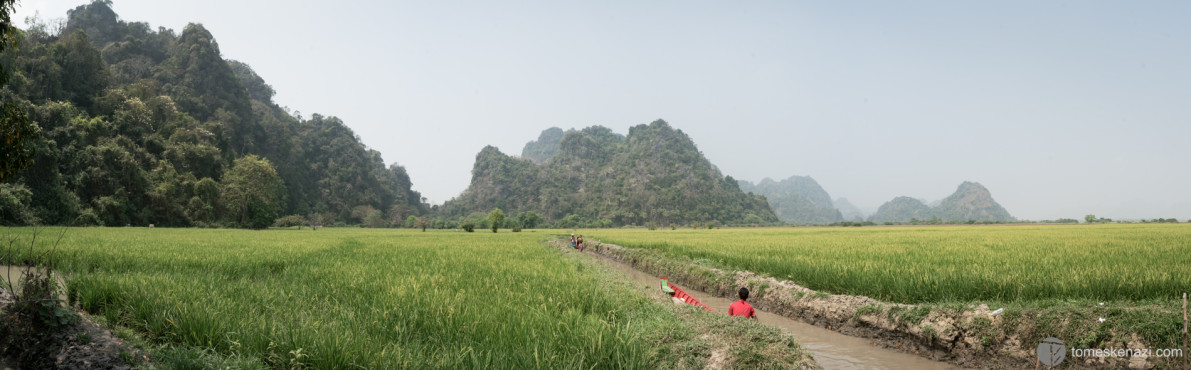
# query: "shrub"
[[468, 227], [290, 221], [14, 205], [31, 326]]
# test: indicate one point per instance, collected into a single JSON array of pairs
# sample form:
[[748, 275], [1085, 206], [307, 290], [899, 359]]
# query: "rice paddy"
[[360, 298], [1007, 263]]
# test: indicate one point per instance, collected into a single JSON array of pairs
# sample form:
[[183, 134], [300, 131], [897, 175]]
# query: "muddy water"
[[14, 274], [832, 350]]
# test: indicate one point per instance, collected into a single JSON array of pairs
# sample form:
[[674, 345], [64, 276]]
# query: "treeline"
[[138, 126]]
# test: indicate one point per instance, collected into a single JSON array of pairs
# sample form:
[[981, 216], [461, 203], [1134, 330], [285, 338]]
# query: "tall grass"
[[932, 264], [351, 298]]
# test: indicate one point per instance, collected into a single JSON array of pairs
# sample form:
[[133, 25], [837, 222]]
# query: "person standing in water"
[[742, 308]]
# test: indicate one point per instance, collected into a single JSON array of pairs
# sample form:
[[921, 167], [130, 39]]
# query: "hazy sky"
[[1060, 108]]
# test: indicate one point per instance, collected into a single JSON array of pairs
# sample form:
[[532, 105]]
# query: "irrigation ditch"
[[966, 335]]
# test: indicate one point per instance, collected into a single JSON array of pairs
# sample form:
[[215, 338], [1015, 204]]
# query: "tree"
[[84, 75], [14, 205], [17, 134], [374, 220], [529, 219], [253, 192], [496, 218], [411, 221], [317, 220], [291, 221], [422, 223], [17, 138], [368, 216], [1090, 218], [111, 122]]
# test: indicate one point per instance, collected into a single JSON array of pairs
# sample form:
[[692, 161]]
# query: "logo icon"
[[1051, 351]]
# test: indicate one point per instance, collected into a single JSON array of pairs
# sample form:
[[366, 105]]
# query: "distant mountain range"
[[588, 154], [970, 202], [800, 200], [849, 211], [796, 200]]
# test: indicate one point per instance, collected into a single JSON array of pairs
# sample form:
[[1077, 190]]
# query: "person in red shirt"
[[742, 308]]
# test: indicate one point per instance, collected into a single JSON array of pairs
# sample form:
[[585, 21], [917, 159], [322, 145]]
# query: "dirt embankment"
[[84, 345], [705, 340], [965, 335]]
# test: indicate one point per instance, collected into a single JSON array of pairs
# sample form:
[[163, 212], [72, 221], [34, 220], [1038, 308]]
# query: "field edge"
[[965, 334]]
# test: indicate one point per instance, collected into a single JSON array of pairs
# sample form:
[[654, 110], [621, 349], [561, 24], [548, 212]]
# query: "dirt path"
[[832, 350]]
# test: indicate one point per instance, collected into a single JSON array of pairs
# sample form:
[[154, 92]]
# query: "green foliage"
[[1061, 221], [84, 75], [529, 219], [655, 174], [496, 218], [291, 221], [253, 191], [468, 227], [17, 135], [16, 132], [868, 309], [15, 205], [913, 316], [410, 222], [116, 123]]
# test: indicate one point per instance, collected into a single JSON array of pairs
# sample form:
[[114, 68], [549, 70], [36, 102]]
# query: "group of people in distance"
[[577, 243]]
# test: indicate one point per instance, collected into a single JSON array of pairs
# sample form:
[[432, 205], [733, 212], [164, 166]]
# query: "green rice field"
[[1008, 263], [400, 298], [359, 298]]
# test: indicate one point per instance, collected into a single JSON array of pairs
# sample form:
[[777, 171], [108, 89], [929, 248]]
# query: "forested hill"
[[796, 200], [655, 175], [970, 202], [142, 125]]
